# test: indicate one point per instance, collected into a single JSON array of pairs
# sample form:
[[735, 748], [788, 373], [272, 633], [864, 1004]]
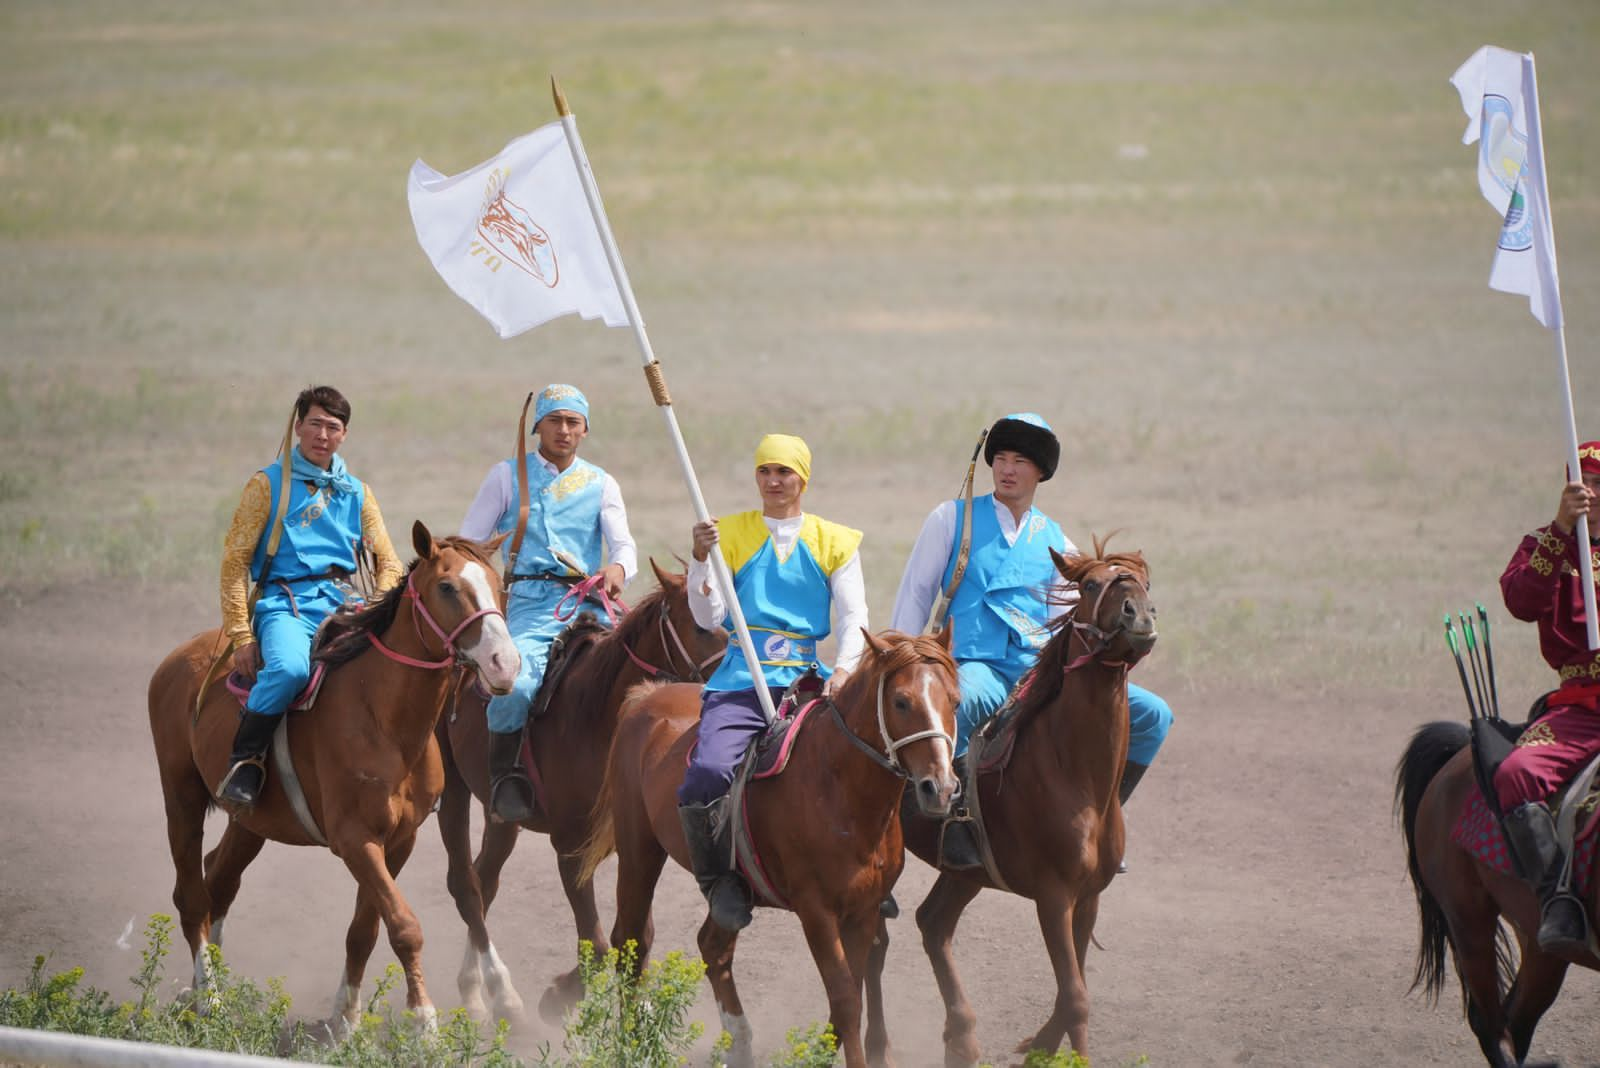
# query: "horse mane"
[[348, 634], [904, 650], [1045, 679]]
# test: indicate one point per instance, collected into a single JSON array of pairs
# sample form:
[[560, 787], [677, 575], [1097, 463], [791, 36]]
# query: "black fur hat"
[[1029, 435]]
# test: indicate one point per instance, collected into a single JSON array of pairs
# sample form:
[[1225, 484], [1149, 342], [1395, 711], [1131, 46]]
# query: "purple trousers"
[[729, 721]]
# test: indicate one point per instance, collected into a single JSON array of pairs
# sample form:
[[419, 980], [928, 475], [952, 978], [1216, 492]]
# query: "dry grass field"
[[1234, 251]]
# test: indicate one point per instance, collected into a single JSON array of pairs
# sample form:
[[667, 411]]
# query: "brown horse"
[[826, 828], [656, 640], [1051, 814], [1461, 902], [365, 755]]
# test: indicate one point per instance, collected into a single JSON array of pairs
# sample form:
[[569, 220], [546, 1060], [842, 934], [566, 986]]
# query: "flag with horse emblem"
[[514, 236], [1501, 99]]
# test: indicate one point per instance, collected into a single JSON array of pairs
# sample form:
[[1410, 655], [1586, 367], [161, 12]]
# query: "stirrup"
[[233, 793], [511, 798], [1557, 932], [732, 906], [958, 844]]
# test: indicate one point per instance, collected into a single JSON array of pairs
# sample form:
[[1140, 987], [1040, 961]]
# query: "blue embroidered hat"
[[1028, 434], [561, 398]]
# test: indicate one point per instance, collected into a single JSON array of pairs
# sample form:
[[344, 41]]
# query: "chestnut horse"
[[826, 828], [656, 640], [1051, 814], [364, 755], [1461, 902]]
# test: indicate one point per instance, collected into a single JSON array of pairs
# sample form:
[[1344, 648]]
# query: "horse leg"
[[566, 990], [639, 865], [186, 796], [480, 961], [1070, 1017], [937, 917], [840, 951], [225, 867], [878, 1051], [1534, 991], [1473, 933], [374, 869], [1083, 920], [716, 949]]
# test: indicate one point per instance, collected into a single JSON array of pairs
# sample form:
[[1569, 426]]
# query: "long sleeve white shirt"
[[498, 495], [930, 555], [709, 603]]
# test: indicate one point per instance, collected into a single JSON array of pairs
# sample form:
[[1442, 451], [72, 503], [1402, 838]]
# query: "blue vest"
[[321, 530], [787, 604], [999, 610], [563, 513]]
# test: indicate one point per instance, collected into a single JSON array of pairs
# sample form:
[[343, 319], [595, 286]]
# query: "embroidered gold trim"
[[1538, 734], [1541, 565], [1591, 670]]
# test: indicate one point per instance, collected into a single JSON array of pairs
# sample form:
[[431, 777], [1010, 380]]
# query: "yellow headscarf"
[[788, 450]]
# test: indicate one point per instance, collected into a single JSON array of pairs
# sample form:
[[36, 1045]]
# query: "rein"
[[892, 746], [419, 611], [591, 588], [670, 640]]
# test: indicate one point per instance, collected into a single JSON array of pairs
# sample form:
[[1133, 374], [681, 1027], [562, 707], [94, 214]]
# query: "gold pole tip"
[[560, 97]]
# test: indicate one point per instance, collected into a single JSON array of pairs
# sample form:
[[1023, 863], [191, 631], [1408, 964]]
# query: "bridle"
[[419, 611], [889, 757], [671, 640], [1095, 640]]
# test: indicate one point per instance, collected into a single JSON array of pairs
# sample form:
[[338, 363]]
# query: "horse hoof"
[[554, 1004]]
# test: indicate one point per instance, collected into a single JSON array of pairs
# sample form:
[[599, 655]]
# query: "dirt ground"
[[1266, 919]]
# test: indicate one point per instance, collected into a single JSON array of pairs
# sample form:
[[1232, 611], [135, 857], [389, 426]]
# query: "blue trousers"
[[530, 616], [730, 720], [284, 628], [985, 685]]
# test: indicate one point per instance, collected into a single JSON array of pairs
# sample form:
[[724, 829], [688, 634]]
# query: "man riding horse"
[[999, 611], [301, 544], [1543, 584], [572, 506], [791, 571]]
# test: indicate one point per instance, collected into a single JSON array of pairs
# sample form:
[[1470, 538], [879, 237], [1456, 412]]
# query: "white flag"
[[514, 236], [1501, 99]]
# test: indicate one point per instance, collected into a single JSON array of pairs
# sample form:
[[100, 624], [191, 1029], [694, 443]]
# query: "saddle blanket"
[[1478, 832]]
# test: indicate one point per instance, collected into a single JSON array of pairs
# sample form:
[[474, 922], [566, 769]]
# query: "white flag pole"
[[1549, 281], [658, 387]]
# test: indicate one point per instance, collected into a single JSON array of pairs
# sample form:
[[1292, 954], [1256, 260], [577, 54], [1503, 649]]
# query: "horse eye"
[[701, 631], [1091, 584], [901, 704], [446, 586]]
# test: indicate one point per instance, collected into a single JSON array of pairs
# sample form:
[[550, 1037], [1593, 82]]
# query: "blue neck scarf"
[[336, 478]]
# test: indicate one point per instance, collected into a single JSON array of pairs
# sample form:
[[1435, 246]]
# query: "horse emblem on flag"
[[506, 227]]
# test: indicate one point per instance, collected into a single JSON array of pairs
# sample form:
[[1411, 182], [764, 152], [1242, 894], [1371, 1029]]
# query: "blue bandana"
[[561, 398], [336, 478]]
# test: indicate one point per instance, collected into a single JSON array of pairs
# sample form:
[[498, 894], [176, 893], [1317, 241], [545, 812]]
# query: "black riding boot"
[[247, 767], [724, 888], [1531, 834], [511, 797], [958, 844], [1131, 774]]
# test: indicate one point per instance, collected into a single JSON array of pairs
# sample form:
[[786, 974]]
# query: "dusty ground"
[[1266, 920]]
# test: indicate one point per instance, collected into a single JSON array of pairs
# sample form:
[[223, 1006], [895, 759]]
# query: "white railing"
[[58, 1050]]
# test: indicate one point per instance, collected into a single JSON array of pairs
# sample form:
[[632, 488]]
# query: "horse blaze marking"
[[491, 259]]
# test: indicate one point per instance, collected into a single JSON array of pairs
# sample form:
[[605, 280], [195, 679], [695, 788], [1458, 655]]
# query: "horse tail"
[[1431, 747]]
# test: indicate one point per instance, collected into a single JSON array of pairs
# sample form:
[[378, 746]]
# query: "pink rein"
[[420, 611]]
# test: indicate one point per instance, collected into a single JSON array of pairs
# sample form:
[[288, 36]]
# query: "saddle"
[[766, 759], [1576, 805]]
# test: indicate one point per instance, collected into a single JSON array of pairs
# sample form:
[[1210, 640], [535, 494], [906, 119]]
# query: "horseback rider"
[[999, 611], [330, 517], [572, 507], [1543, 584], [791, 572]]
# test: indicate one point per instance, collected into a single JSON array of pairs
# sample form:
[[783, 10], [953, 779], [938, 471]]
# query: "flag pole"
[[658, 385], [1558, 327]]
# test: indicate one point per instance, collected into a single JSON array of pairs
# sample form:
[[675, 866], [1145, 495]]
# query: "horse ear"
[[422, 541], [667, 579], [1061, 562], [494, 543], [947, 634], [876, 644]]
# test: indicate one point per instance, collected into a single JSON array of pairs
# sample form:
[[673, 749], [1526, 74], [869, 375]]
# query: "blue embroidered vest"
[[999, 610], [321, 530], [787, 603], [563, 513]]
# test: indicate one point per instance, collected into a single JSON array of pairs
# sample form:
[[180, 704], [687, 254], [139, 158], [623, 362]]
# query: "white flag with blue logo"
[[514, 236], [1501, 99]]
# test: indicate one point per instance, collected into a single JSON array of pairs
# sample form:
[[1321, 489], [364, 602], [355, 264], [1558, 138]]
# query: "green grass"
[[1234, 252]]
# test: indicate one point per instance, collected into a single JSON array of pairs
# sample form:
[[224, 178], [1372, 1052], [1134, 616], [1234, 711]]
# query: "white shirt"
[[498, 495], [931, 555], [846, 586]]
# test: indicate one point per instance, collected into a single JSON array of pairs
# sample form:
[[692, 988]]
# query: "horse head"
[[455, 591], [678, 646], [911, 681], [1114, 615]]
